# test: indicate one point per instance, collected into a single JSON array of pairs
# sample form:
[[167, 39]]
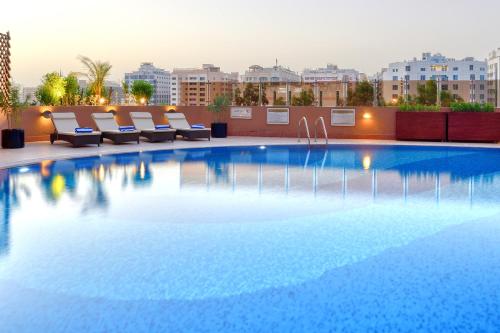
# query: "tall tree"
[[126, 91], [97, 72], [71, 90], [142, 90], [238, 100], [52, 89], [250, 95], [305, 98], [362, 95], [427, 93]]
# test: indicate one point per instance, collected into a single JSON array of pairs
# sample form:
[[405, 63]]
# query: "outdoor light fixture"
[[102, 100], [46, 114], [143, 100], [367, 115]]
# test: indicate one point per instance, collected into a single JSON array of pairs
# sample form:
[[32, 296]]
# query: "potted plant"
[[11, 108], [473, 122], [219, 109], [420, 122]]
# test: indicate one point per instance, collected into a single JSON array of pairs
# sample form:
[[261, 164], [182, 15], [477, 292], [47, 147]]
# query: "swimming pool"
[[254, 239]]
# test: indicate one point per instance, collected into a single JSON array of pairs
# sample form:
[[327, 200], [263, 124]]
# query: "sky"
[[48, 35]]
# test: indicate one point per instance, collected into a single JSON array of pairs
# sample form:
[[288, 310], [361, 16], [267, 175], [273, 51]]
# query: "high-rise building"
[[198, 86], [159, 78], [465, 79], [29, 95], [494, 77], [275, 74]]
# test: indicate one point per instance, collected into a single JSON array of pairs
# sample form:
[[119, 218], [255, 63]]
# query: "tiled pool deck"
[[39, 151]]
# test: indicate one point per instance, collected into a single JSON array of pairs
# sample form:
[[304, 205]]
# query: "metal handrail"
[[322, 120], [304, 120]]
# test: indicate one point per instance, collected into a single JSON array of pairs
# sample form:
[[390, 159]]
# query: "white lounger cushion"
[[178, 121], [65, 123], [106, 123], [143, 121]]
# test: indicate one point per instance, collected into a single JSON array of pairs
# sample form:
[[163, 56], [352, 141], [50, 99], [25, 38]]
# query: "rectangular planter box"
[[421, 126], [474, 126]]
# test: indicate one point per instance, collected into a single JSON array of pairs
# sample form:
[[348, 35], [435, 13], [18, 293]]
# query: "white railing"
[[322, 120], [308, 134]]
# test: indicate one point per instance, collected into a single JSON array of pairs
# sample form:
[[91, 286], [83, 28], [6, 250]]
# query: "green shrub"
[[418, 107], [472, 107]]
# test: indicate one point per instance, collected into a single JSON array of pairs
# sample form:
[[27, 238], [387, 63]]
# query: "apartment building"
[[198, 86], [275, 74], [331, 73], [159, 78], [493, 77], [466, 78]]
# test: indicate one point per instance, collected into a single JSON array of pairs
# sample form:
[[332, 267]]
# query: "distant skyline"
[[362, 34]]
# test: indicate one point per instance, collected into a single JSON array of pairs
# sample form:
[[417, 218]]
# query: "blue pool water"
[[254, 239]]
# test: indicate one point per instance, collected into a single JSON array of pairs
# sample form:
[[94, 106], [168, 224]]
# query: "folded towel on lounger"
[[83, 130], [159, 127], [126, 128], [198, 126]]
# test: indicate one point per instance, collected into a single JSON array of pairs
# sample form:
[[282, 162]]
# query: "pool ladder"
[[303, 120]]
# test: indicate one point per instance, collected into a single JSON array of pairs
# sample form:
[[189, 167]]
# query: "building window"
[[395, 87], [471, 67], [394, 78], [481, 96], [422, 69], [408, 68], [455, 77], [455, 69], [444, 87], [481, 87], [455, 87], [481, 77], [472, 77], [422, 77], [395, 96]]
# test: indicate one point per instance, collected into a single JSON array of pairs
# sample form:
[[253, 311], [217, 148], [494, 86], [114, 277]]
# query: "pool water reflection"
[[278, 238]]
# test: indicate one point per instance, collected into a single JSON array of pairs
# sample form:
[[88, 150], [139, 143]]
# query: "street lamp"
[[472, 91], [438, 88], [407, 88], [375, 92], [345, 87]]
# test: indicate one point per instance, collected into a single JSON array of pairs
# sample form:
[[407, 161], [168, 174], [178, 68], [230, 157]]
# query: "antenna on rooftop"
[[276, 62]]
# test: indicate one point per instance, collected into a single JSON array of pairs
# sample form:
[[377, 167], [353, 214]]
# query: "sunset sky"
[[361, 34]]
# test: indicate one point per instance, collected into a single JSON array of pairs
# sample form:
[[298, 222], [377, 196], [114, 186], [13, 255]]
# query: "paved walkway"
[[39, 151]]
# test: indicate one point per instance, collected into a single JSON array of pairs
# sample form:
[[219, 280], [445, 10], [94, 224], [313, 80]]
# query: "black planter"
[[219, 130], [12, 138]]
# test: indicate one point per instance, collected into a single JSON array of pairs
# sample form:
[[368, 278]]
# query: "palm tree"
[[97, 72], [126, 91]]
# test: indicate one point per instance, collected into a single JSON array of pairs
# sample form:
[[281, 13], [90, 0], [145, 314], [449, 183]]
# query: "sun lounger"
[[143, 121], [66, 128], [178, 121], [110, 130]]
